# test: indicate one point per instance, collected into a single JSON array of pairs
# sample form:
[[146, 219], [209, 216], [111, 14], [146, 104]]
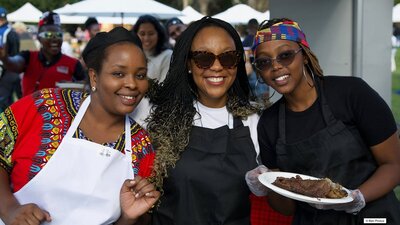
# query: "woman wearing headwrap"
[[46, 67], [324, 126], [71, 157], [204, 129]]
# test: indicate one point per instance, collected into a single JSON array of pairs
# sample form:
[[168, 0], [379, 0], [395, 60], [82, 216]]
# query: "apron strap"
[[77, 120]]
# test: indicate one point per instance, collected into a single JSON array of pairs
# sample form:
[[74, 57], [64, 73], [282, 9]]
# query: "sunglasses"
[[50, 35], [284, 58], [204, 59]]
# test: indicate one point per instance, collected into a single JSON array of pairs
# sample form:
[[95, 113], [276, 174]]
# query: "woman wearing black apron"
[[335, 127], [204, 130]]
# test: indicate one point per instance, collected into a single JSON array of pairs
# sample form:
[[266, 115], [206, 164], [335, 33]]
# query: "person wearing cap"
[[73, 157], [327, 127], [46, 67], [175, 27], [9, 81]]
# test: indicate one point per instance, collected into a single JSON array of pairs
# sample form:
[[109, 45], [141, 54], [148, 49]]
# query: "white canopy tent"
[[26, 13], [81, 19], [396, 14], [120, 9], [190, 15], [239, 14]]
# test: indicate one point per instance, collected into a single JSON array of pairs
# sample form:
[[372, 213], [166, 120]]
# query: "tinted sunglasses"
[[50, 35], [204, 59], [285, 59]]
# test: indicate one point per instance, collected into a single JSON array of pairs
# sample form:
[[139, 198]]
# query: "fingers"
[[140, 187]]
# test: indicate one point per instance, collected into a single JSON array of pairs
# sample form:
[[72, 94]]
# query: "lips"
[[281, 80], [215, 80], [128, 99]]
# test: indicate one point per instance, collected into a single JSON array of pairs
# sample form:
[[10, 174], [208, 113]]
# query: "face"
[[50, 37], [122, 81], [176, 30], [213, 82], [148, 35], [93, 30], [281, 63]]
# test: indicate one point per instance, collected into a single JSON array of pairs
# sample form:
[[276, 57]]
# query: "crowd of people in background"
[[186, 107]]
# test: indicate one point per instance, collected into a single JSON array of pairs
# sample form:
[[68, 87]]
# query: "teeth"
[[215, 79], [282, 77], [127, 97]]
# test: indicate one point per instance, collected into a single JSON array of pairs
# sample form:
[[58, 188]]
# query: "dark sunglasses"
[[50, 35], [204, 59], [285, 59]]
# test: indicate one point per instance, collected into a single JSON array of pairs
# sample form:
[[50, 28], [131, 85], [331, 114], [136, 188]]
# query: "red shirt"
[[38, 76]]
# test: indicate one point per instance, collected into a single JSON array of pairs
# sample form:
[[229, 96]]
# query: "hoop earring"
[[305, 76], [93, 89]]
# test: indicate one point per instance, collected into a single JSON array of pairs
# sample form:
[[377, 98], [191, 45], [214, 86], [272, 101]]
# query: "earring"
[[93, 89], [311, 84], [189, 71]]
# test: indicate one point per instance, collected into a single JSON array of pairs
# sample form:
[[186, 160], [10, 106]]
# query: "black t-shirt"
[[350, 99]]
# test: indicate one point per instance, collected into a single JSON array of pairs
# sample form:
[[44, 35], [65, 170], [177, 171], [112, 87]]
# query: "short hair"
[[89, 22], [253, 22]]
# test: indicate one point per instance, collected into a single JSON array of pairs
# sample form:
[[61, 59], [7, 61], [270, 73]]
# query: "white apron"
[[80, 184]]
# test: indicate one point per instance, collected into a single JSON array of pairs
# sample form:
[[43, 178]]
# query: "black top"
[[350, 99]]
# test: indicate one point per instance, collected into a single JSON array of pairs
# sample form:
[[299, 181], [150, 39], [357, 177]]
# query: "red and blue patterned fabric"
[[32, 129]]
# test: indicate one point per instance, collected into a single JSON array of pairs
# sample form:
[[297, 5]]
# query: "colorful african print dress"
[[32, 128]]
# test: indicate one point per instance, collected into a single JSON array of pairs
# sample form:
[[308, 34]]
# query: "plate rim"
[[296, 196]]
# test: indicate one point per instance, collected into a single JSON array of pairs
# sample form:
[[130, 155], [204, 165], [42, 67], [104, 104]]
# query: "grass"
[[396, 100]]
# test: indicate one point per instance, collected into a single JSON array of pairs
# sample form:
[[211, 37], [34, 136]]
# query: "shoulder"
[[343, 83], [167, 53]]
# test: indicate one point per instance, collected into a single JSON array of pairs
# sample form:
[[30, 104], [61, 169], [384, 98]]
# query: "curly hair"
[[313, 65], [171, 117]]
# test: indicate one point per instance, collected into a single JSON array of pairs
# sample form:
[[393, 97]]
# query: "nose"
[[216, 65], [130, 81], [275, 64]]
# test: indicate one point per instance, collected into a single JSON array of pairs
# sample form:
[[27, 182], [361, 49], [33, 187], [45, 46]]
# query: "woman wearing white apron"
[[71, 178]]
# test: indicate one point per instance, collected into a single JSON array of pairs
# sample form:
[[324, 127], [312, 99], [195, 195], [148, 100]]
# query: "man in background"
[[10, 82]]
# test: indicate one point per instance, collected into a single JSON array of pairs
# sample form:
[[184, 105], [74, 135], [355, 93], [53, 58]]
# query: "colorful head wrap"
[[49, 18], [286, 30]]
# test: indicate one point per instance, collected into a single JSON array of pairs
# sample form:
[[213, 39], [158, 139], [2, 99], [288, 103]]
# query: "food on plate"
[[319, 188]]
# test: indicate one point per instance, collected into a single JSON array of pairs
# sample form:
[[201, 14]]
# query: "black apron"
[[207, 185], [339, 153]]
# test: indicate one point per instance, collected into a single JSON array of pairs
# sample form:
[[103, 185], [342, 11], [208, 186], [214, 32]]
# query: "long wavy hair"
[[313, 65], [171, 118]]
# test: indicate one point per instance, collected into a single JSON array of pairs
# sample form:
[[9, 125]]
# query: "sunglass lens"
[[204, 59], [286, 58], [262, 63], [228, 59]]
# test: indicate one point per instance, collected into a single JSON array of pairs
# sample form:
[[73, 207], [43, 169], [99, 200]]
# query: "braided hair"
[[172, 115]]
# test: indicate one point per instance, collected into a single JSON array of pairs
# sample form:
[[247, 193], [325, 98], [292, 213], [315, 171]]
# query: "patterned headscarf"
[[286, 30]]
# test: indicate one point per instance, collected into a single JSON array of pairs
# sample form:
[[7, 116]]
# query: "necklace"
[[200, 117]]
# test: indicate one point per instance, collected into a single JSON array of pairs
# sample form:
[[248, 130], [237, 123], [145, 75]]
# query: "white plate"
[[269, 177]]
